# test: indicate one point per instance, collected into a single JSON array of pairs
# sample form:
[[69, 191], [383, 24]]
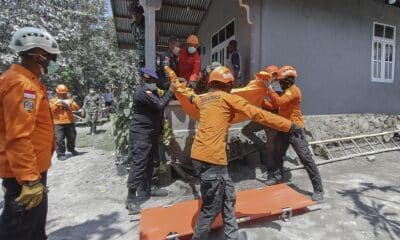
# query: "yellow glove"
[[31, 194]]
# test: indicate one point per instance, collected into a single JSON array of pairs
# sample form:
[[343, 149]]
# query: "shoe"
[[317, 197], [74, 153], [272, 181], [61, 157], [131, 203], [266, 175], [158, 192]]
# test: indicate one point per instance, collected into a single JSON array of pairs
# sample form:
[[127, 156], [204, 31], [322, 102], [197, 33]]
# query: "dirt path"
[[86, 199]]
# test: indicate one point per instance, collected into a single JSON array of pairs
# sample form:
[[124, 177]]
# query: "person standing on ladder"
[[289, 104], [217, 108], [91, 106]]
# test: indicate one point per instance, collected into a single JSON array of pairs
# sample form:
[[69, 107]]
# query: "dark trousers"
[[218, 195], [266, 149], [144, 155], [65, 132], [16, 223], [300, 145]]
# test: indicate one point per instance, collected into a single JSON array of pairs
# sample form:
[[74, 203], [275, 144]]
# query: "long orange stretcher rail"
[[178, 220], [253, 92]]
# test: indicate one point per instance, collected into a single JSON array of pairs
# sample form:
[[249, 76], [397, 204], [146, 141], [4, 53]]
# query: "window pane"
[[389, 32], [390, 70], [230, 29], [215, 40], [378, 30], [375, 70], [386, 52], [379, 51], [221, 35], [390, 53], [386, 70], [375, 50]]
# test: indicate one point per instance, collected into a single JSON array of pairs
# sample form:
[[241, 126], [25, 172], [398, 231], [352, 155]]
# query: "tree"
[[87, 40]]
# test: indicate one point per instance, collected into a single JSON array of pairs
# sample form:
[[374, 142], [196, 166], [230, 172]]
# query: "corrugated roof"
[[176, 17]]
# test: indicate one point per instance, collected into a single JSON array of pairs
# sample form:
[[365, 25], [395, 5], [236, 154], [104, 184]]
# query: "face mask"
[[151, 86], [275, 85], [91, 92], [192, 50], [45, 63], [176, 51]]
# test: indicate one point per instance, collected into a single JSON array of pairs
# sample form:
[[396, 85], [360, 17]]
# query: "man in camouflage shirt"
[[91, 106]]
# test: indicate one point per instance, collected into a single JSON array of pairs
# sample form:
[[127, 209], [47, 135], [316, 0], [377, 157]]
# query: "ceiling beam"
[[190, 24], [183, 7]]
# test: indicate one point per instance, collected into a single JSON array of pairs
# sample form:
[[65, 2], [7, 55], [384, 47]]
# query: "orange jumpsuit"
[[61, 115], [289, 104], [217, 110], [26, 126]]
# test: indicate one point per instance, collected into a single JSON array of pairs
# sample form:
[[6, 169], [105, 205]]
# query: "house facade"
[[345, 51]]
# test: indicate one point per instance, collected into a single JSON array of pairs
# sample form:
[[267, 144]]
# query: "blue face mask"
[[192, 50], [276, 86]]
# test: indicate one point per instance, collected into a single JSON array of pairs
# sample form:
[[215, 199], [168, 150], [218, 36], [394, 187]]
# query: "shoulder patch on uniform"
[[29, 104], [29, 94], [288, 92], [148, 92]]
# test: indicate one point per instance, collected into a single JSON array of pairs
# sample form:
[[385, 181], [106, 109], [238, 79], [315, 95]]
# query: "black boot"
[[131, 202]]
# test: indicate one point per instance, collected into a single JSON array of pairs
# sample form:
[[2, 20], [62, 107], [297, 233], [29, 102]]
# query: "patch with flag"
[[29, 94], [29, 105]]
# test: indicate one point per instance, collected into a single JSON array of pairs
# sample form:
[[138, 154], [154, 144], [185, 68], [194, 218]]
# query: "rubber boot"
[[131, 202]]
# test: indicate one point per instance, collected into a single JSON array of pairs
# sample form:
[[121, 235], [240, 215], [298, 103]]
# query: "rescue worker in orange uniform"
[[189, 62], [64, 124], [249, 130], [289, 104], [26, 135], [217, 108]]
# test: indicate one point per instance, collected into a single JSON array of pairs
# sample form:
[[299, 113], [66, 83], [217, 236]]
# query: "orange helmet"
[[263, 75], [193, 39], [61, 88], [221, 74], [287, 71], [272, 69]]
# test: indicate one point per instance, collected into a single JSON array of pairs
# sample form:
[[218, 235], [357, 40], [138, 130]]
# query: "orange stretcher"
[[178, 220], [254, 92]]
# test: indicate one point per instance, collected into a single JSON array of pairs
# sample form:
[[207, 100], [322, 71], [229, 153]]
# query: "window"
[[383, 53], [220, 40]]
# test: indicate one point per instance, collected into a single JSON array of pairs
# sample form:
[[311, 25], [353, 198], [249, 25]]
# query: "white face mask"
[[192, 50], [176, 51], [91, 92]]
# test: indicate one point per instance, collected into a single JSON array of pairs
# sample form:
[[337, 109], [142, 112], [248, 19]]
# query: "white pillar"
[[150, 7]]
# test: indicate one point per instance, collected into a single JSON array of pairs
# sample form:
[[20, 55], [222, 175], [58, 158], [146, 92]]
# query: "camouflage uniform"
[[91, 106]]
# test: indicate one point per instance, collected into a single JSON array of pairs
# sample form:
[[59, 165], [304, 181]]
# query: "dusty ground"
[[86, 199]]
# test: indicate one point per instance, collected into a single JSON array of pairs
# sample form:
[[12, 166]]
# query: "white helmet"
[[27, 38]]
